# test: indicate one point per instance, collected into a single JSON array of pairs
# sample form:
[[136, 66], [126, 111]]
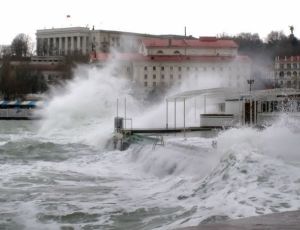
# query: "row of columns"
[[66, 44]]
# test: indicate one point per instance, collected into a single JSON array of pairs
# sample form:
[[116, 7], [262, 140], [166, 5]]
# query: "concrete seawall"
[[276, 221]]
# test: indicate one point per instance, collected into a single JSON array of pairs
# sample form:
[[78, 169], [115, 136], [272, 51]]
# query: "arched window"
[[176, 52], [281, 74], [289, 74], [295, 74]]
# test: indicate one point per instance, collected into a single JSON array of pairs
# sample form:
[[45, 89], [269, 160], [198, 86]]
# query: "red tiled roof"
[[192, 43], [166, 58]]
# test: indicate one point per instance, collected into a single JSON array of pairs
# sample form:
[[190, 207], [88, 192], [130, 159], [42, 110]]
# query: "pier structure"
[[204, 93], [124, 134]]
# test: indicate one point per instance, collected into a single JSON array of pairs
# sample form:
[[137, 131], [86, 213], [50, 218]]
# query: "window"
[[162, 76], [281, 66], [162, 68], [179, 76], [187, 68], [295, 65], [154, 68], [154, 76], [128, 69], [176, 52], [288, 65], [281, 74], [295, 74], [196, 68], [145, 76], [160, 52], [289, 73], [264, 107], [171, 67], [171, 76], [154, 84], [179, 68], [145, 84], [145, 68], [204, 68]]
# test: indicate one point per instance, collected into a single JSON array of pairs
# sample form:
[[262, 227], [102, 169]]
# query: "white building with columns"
[[63, 41]]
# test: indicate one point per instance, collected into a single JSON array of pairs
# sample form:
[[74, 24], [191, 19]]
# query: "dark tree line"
[[276, 44], [19, 77], [19, 80]]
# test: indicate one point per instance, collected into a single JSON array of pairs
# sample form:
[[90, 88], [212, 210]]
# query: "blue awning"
[[17, 104]]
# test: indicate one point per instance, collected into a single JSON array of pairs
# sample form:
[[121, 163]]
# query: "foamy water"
[[59, 173]]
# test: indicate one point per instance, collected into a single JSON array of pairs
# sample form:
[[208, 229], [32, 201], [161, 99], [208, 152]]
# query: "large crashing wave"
[[251, 172], [84, 109]]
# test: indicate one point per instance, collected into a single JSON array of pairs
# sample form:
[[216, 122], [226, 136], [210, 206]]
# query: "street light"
[[250, 82]]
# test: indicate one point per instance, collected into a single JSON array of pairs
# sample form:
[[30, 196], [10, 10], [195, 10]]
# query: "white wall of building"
[[153, 74]]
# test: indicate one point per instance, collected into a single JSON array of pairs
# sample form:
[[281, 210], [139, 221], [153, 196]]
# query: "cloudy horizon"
[[201, 18]]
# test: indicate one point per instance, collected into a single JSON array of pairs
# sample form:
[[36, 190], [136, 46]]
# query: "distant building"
[[165, 62], [57, 42], [150, 60], [287, 72], [63, 41]]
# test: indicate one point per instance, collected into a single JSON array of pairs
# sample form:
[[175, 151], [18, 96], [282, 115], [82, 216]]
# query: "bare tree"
[[5, 51], [275, 37], [20, 46]]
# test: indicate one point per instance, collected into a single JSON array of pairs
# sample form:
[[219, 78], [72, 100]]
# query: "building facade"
[[162, 63], [64, 41], [59, 42], [151, 61], [287, 72]]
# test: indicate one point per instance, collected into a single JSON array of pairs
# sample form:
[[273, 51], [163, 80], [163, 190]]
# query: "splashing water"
[[61, 176], [87, 105]]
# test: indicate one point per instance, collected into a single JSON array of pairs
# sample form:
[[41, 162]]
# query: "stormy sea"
[[61, 172]]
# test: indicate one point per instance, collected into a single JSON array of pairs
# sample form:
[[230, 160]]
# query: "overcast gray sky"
[[201, 17]]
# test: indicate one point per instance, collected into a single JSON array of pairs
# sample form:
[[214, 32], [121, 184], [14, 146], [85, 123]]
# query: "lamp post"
[[250, 82]]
